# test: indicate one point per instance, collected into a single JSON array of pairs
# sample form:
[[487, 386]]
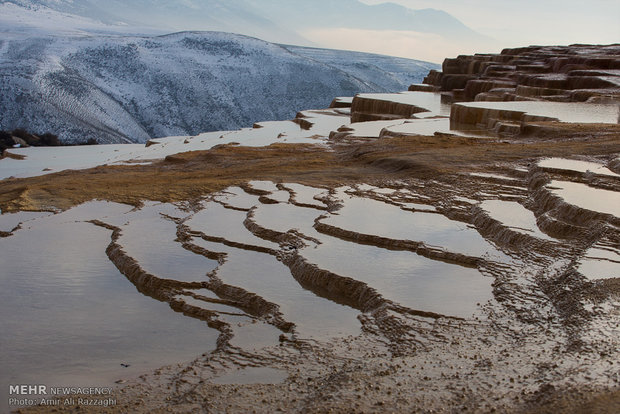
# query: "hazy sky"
[[510, 23], [532, 21]]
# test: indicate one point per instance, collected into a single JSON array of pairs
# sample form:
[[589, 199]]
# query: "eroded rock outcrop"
[[554, 73], [370, 109]]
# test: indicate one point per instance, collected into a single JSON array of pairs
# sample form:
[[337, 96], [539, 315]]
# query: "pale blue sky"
[[506, 23], [526, 22]]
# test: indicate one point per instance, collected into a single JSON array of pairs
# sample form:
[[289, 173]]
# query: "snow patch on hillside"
[[119, 89]]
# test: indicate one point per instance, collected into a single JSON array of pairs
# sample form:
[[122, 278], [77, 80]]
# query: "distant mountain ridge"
[[280, 21], [129, 89]]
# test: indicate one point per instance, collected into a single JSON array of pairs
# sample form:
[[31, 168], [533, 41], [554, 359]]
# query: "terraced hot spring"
[[427, 100], [513, 215], [574, 112], [70, 317], [288, 248], [577, 166], [589, 198]]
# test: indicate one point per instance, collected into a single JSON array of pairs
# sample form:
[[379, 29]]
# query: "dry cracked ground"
[[401, 274]]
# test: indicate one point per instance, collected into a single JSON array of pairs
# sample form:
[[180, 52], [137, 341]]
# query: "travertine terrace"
[[547, 75], [575, 73], [379, 261]]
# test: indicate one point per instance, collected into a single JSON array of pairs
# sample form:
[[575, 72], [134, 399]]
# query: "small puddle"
[[151, 240], [281, 196], [373, 217], [264, 275], [263, 186], [600, 264], [596, 269], [574, 112], [250, 334], [304, 194], [237, 198], [253, 375], [586, 197], [577, 165], [513, 215], [217, 221]]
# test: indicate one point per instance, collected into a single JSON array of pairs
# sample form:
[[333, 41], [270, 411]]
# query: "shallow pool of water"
[[514, 215], [369, 216], [563, 111], [217, 221], [71, 318], [236, 197], [285, 217], [404, 277], [263, 185], [586, 197], [264, 275], [150, 238], [428, 100], [596, 269], [10, 221], [577, 165], [252, 375], [304, 194], [600, 263]]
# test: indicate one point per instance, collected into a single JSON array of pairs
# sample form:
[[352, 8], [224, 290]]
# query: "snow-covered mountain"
[[130, 89]]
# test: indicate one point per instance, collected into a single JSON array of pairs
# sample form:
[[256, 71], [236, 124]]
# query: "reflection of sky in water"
[[514, 215], [564, 111], [150, 239], [70, 317], [264, 275], [218, 221], [405, 277], [427, 127], [576, 165], [263, 185], [374, 217], [285, 217], [46, 160], [305, 194], [427, 100], [236, 197], [589, 198], [9, 221], [595, 269], [599, 263]]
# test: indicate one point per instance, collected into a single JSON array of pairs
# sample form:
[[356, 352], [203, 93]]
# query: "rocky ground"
[[548, 341]]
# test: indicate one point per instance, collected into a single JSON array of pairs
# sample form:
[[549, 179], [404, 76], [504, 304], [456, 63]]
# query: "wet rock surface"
[[508, 94]]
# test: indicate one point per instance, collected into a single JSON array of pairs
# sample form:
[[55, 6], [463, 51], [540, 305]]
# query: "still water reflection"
[[70, 318]]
